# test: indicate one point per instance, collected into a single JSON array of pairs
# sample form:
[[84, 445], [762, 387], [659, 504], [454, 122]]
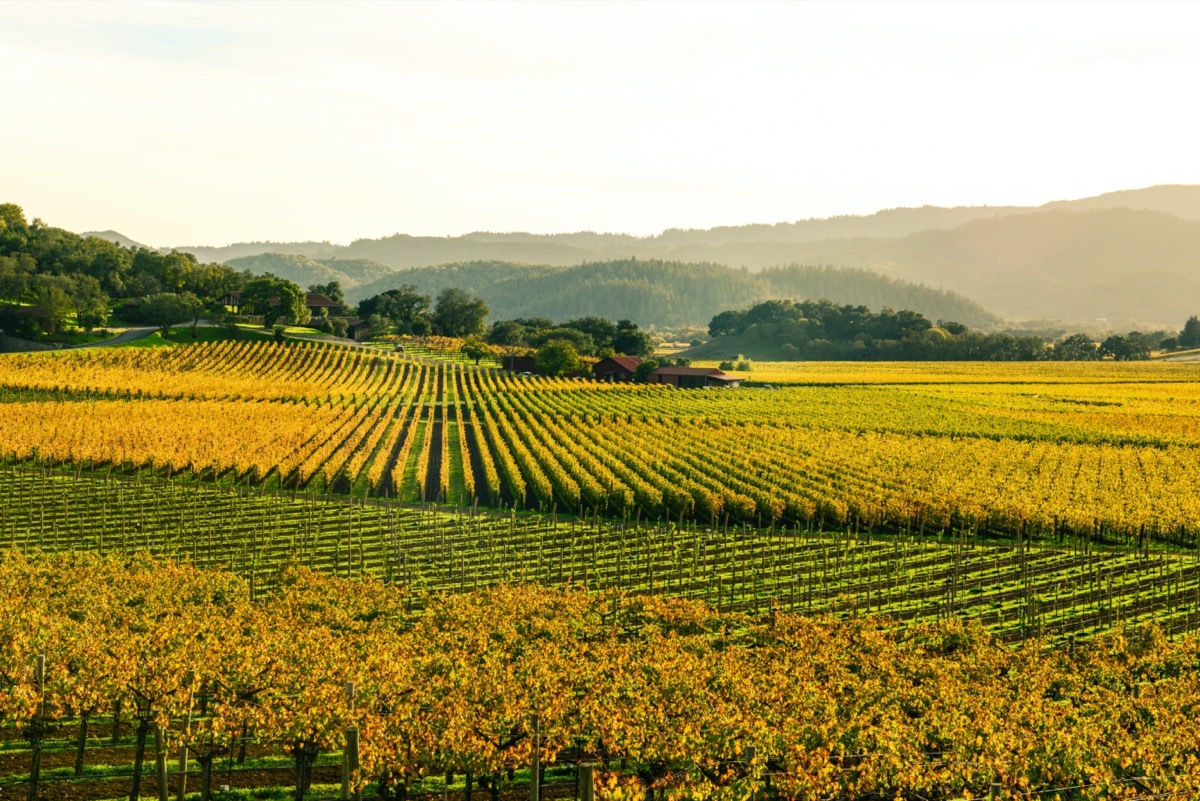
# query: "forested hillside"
[[668, 293], [649, 292], [1118, 259], [1112, 261], [305, 271], [49, 276]]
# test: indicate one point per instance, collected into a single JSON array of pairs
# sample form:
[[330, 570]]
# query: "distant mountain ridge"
[[1182, 200], [402, 250], [1126, 257], [1121, 265]]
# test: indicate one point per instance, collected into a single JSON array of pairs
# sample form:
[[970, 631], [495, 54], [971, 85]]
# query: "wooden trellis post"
[[160, 763], [587, 781], [189, 679], [535, 790], [35, 730], [346, 767]]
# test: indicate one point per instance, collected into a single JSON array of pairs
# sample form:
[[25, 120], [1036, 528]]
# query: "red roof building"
[[693, 377], [616, 368]]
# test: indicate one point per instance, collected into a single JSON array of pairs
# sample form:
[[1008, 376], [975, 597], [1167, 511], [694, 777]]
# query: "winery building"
[[693, 377], [616, 368]]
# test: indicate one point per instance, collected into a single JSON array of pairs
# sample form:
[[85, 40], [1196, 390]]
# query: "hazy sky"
[[207, 123]]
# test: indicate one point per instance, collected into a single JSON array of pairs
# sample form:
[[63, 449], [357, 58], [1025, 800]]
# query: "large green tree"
[[459, 314], [1189, 337], [581, 341], [476, 348], [332, 290], [507, 332], [727, 323], [166, 309], [403, 307], [601, 331], [107, 262], [1128, 347], [275, 299], [643, 370], [558, 358], [90, 301], [14, 230], [631, 340], [16, 272], [52, 300], [1076, 348]]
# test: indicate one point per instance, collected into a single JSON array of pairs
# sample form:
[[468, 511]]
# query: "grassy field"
[[183, 335]]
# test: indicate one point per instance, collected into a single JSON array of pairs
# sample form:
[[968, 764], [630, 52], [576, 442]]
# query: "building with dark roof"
[[519, 364], [311, 299], [693, 377], [358, 330], [314, 301], [616, 368]]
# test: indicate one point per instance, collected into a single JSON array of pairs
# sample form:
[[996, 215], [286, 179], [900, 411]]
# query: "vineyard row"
[[1015, 590]]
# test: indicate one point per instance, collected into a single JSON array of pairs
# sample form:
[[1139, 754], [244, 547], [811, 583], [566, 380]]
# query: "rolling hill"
[[1119, 259], [1121, 265], [116, 238], [668, 293]]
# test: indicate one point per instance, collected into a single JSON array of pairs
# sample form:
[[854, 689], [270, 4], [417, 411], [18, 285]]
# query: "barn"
[[519, 364], [358, 330], [616, 368], [693, 377]]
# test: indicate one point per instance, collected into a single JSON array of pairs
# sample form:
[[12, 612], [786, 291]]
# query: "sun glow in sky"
[[192, 123]]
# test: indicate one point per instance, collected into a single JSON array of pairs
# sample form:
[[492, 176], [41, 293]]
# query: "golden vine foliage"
[[667, 694], [1091, 449]]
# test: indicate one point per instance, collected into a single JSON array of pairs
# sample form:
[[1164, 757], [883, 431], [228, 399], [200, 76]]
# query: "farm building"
[[693, 377], [314, 302], [358, 330], [311, 299], [519, 364], [616, 368]]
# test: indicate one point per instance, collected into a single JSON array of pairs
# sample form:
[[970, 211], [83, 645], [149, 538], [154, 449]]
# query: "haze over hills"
[[116, 238], [1179, 199], [668, 293], [1118, 264], [1124, 257], [305, 270]]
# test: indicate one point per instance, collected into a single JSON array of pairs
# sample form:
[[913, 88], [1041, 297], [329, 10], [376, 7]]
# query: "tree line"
[[49, 276], [407, 310], [558, 347], [822, 330]]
